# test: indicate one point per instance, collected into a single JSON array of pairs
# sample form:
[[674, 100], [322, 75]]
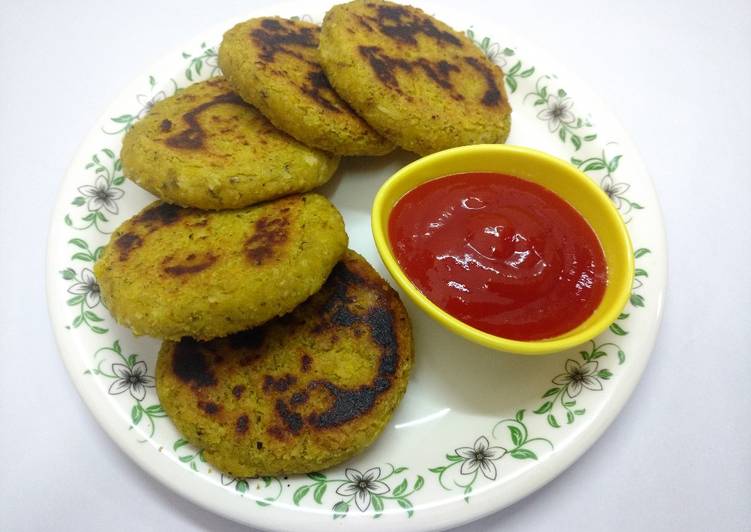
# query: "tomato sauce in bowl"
[[501, 254]]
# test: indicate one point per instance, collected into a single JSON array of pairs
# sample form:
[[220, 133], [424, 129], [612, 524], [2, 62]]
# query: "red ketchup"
[[501, 254]]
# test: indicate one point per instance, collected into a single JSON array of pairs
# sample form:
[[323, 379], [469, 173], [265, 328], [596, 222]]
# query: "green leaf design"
[[640, 272], [74, 301], [605, 374], [641, 252], [419, 483], [523, 454], [319, 492], [511, 82], [519, 415], [187, 458], [437, 470], [116, 347], [621, 357], [155, 410], [580, 411], [340, 509], [316, 476], [544, 408], [454, 458], [300, 492], [91, 316], [136, 414], [179, 443], [516, 435], [122, 119], [527, 73], [399, 470], [593, 166], [569, 417], [590, 138], [132, 360], [552, 421], [377, 503], [554, 391], [404, 503], [613, 164], [637, 300], [67, 220], [617, 329], [77, 321], [401, 488], [82, 256], [99, 330], [78, 201], [576, 141], [68, 274]]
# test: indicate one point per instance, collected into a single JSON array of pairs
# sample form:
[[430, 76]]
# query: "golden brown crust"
[[301, 393], [273, 64], [413, 78], [205, 147], [171, 272]]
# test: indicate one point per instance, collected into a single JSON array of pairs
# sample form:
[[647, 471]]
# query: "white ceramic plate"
[[527, 417]]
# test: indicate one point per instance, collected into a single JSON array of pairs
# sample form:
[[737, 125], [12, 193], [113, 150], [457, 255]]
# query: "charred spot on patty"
[[269, 234], [319, 89], [126, 243], [273, 38], [241, 425], [193, 137], [209, 407], [189, 364], [403, 24], [161, 215], [191, 264]]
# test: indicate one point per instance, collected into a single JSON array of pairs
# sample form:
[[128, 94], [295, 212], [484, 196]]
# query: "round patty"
[[414, 79], [273, 64], [205, 147], [171, 272], [301, 393]]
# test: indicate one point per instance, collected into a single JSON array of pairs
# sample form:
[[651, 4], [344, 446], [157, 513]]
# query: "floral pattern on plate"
[[477, 460]]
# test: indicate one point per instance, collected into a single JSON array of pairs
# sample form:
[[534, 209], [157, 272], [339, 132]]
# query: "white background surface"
[[678, 74]]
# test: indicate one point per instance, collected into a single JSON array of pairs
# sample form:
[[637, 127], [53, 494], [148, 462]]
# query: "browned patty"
[[413, 78], [171, 272], [301, 393], [273, 64]]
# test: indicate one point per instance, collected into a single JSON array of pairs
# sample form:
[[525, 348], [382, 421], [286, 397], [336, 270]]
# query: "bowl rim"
[[383, 204]]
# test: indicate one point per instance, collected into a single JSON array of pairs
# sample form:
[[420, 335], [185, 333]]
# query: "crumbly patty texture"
[[301, 393], [414, 79], [205, 147], [273, 64], [171, 272]]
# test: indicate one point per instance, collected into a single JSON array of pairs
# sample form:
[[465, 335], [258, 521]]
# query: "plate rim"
[[179, 480]]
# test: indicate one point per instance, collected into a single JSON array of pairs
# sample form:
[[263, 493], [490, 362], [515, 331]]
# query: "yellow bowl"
[[538, 167]]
